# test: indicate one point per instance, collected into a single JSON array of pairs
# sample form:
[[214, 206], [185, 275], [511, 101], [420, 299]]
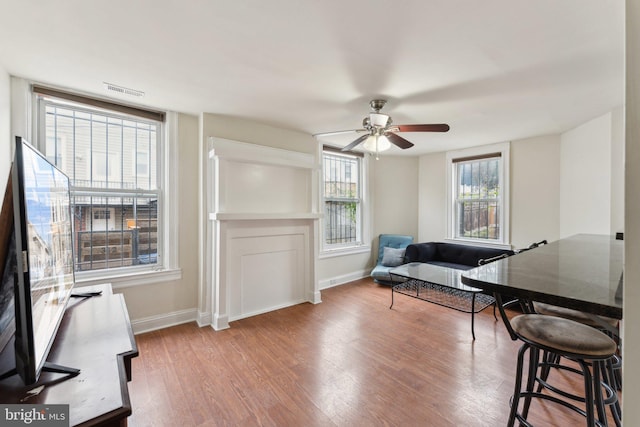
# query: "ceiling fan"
[[380, 132]]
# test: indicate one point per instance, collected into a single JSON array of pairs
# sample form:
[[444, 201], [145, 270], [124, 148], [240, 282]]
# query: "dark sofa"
[[462, 257]]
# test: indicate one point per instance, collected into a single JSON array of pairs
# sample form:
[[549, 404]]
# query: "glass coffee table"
[[439, 285]]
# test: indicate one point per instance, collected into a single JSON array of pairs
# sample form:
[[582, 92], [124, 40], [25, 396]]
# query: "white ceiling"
[[494, 70]]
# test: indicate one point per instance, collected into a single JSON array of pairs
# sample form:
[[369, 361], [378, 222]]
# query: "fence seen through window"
[[478, 199], [341, 199], [111, 160]]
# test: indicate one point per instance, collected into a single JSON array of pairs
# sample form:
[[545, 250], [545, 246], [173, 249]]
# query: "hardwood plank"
[[347, 361]]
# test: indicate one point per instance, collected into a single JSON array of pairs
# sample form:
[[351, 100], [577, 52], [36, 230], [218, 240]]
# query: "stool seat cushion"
[[567, 313], [564, 336]]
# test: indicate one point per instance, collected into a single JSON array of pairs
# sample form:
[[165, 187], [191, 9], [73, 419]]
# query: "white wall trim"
[[206, 268], [130, 279], [251, 216], [220, 322], [266, 310], [480, 244], [204, 318], [342, 279], [161, 321], [351, 250], [170, 180], [244, 152]]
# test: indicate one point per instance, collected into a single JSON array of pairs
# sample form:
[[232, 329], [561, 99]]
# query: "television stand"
[[59, 369], [85, 294], [95, 336], [47, 367]]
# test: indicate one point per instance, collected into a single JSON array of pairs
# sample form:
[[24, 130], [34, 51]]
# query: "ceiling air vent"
[[123, 90]]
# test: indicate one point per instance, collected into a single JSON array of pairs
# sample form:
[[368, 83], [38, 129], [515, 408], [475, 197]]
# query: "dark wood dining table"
[[581, 272]]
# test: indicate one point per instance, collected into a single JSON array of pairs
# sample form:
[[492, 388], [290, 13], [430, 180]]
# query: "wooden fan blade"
[[398, 140], [442, 127], [355, 143], [339, 132]]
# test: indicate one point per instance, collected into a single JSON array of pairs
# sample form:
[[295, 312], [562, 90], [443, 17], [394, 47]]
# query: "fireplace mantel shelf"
[[239, 216]]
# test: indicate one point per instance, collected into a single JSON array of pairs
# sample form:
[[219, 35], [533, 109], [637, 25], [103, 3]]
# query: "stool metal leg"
[[588, 388], [548, 359], [610, 386], [516, 391], [534, 356], [473, 312], [597, 390]]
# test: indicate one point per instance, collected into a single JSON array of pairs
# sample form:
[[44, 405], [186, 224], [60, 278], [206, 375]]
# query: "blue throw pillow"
[[393, 257]]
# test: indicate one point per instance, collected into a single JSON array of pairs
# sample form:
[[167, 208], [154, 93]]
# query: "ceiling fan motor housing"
[[377, 104]]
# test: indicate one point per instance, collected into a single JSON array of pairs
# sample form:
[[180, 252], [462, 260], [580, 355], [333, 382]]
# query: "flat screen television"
[[42, 247]]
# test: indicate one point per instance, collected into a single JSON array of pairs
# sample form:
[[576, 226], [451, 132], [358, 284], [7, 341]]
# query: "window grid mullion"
[[473, 207], [342, 199], [104, 198]]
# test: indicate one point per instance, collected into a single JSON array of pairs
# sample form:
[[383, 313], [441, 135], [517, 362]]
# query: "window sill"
[[330, 253], [480, 243], [129, 279]]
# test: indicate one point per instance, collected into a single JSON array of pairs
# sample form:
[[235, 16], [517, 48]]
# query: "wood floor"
[[349, 361]]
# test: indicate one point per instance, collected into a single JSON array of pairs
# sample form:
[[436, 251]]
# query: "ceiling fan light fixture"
[[379, 133], [378, 120], [376, 144]]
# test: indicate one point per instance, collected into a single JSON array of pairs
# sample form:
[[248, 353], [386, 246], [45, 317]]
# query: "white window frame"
[[504, 241], [167, 268], [363, 233]]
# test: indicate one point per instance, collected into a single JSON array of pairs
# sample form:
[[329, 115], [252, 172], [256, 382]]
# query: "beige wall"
[[534, 192], [585, 178], [535, 198], [432, 198], [174, 297], [243, 130], [617, 170], [5, 129], [631, 332], [560, 184], [395, 196]]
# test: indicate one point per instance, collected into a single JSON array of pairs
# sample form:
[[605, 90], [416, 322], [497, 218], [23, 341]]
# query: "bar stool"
[[575, 315], [585, 345], [611, 375]]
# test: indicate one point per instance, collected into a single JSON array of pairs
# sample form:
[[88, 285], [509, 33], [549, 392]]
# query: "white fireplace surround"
[[262, 230]]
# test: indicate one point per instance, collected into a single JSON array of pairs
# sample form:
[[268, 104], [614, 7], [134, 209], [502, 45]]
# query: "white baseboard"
[[265, 310], [316, 297], [341, 280], [204, 318], [166, 320], [220, 323], [162, 321]]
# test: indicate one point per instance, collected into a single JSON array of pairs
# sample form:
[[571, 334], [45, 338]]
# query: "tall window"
[[342, 200], [479, 196], [111, 159]]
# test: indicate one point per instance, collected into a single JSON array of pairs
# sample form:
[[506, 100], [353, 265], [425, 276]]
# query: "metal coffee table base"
[[457, 299]]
